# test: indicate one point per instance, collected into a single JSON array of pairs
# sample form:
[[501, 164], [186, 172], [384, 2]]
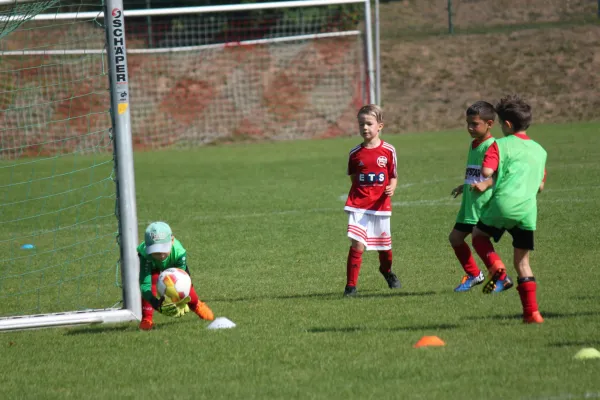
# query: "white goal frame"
[[125, 182]]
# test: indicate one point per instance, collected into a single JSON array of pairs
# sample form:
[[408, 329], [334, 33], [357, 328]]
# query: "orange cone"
[[429, 341]]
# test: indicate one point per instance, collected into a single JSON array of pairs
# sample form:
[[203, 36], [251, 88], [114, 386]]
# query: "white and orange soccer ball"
[[174, 283]]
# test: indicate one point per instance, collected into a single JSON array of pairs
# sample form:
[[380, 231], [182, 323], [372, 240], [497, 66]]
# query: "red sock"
[[463, 253], [353, 266], [385, 261], [484, 247], [193, 299], [147, 310], [528, 299]]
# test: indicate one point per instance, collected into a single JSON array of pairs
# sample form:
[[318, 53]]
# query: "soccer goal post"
[[66, 167]]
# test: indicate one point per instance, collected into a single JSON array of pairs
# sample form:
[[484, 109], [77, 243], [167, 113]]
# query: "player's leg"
[[385, 268], [473, 276], [485, 249], [147, 310], [353, 264], [527, 286], [198, 307], [379, 237], [357, 232]]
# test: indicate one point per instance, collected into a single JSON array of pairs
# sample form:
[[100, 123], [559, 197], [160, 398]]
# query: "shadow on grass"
[[551, 314], [330, 295], [353, 329], [590, 297], [578, 343], [394, 294], [100, 328], [126, 327], [425, 328], [545, 314]]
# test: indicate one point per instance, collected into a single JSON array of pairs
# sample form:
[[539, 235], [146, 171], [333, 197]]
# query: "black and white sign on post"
[[121, 121]]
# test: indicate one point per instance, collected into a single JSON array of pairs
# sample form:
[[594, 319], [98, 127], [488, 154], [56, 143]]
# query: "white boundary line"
[[339, 210], [566, 396]]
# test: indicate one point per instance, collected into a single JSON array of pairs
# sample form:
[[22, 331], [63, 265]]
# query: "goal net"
[[274, 71], [58, 231], [219, 74]]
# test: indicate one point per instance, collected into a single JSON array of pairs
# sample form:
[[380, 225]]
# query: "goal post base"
[[87, 317]]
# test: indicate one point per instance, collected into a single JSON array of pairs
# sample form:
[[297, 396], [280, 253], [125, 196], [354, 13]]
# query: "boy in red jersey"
[[518, 164], [480, 118], [372, 170]]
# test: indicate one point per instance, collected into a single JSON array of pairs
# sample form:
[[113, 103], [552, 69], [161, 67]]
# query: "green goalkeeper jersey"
[[472, 201], [520, 174], [177, 259]]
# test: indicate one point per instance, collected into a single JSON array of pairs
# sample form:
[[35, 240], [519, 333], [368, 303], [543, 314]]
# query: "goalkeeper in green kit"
[[159, 251], [518, 165]]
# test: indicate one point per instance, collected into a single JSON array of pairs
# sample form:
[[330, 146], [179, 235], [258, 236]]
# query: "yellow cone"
[[587, 354]]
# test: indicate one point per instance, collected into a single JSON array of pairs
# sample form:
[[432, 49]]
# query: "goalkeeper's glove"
[[181, 311], [182, 306], [165, 306]]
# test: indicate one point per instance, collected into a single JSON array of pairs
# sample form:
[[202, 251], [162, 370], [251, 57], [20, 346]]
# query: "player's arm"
[[350, 170], [145, 279], [491, 160], [391, 188], [487, 172], [483, 186], [181, 262], [457, 190], [146, 283], [543, 182]]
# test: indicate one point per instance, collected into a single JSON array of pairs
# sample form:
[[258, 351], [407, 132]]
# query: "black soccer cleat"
[[350, 291], [392, 280]]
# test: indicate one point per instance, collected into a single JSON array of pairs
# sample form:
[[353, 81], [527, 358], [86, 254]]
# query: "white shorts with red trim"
[[371, 230]]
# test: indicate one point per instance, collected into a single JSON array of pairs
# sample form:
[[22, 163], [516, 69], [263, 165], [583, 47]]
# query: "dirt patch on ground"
[[428, 81], [407, 17]]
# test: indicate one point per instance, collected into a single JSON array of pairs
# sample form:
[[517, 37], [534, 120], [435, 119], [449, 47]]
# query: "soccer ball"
[[174, 283]]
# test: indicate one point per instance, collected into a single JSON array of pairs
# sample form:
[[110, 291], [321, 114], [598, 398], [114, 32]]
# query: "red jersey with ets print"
[[372, 170]]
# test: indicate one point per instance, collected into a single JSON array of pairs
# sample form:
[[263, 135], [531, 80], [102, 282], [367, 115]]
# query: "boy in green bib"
[[480, 118], [518, 164]]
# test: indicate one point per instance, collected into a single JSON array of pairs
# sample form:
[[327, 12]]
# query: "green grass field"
[[266, 236]]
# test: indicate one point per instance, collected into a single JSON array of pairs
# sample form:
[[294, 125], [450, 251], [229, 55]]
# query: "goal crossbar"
[[183, 48], [188, 10]]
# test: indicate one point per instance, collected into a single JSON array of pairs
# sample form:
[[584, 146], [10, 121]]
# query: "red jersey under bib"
[[372, 170]]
